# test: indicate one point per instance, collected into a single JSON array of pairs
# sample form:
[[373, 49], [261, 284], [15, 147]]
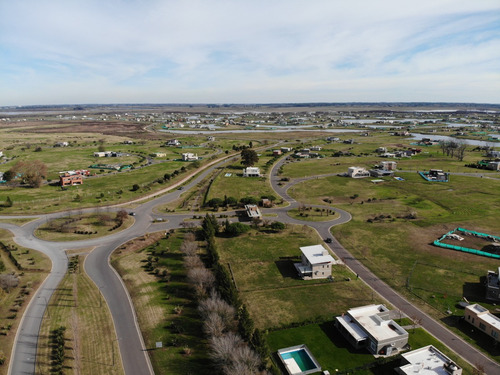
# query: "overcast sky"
[[248, 51]]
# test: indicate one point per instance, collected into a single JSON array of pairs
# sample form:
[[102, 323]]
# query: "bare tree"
[[214, 326], [223, 346], [189, 248], [8, 281], [193, 261], [215, 304], [202, 279], [462, 146], [245, 356]]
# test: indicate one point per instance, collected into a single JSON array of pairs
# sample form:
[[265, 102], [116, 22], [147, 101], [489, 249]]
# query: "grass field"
[[157, 300], [86, 226], [90, 341], [262, 264], [13, 303], [333, 352]]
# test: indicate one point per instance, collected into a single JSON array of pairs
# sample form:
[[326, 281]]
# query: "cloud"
[[154, 50]]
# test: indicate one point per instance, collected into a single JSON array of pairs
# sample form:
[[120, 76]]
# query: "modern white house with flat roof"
[[370, 327], [427, 361], [357, 172], [493, 285], [316, 263], [251, 172], [189, 156], [253, 211], [481, 318]]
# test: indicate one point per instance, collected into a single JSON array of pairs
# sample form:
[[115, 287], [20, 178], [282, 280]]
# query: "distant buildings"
[[370, 327]]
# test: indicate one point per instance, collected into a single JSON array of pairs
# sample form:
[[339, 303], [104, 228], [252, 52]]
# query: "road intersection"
[[133, 350]]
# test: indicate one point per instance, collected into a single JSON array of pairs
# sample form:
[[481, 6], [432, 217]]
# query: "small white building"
[[211, 138], [159, 154], [61, 144], [427, 361], [173, 142], [251, 172], [253, 211], [357, 172], [316, 263], [188, 156], [286, 149], [316, 148]]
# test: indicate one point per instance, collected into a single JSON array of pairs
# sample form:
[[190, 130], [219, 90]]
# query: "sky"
[[248, 51]]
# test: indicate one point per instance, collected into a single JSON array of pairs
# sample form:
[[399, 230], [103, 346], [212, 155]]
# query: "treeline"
[[236, 346], [233, 202]]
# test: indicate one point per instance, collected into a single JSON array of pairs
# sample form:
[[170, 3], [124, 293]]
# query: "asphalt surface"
[[133, 350]]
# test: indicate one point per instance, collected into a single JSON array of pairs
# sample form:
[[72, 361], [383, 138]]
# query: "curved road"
[[132, 348], [454, 342]]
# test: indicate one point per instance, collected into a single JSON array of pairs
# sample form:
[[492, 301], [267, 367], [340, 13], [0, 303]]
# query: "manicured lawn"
[[333, 352]]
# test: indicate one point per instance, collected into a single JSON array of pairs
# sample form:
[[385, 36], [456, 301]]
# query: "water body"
[[281, 130], [446, 138]]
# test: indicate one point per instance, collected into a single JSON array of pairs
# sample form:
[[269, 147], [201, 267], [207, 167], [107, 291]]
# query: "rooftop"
[[427, 360], [368, 318], [317, 254]]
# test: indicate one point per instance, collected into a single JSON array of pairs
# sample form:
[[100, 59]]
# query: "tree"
[[31, 173], [235, 229], [215, 202], [249, 157], [277, 226], [8, 281], [9, 202]]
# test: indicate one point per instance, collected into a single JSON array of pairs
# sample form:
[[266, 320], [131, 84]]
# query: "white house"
[[316, 263], [370, 327], [173, 142], [211, 138], [61, 144], [286, 149], [251, 172], [188, 156], [316, 148], [481, 318], [253, 211], [357, 172], [427, 361]]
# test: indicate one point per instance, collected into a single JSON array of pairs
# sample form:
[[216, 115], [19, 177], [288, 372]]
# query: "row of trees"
[[220, 309]]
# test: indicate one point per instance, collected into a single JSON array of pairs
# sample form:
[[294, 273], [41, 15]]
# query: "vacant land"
[[164, 303], [262, 265]]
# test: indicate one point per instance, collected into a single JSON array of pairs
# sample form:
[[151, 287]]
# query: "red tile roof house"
[[70, 180]]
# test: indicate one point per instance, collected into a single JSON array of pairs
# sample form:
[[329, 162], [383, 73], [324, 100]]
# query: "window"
[[468, 317], [482, 326], [494, 334]]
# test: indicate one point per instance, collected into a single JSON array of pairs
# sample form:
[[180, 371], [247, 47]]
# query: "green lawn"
[[262, 264], [333, 352]]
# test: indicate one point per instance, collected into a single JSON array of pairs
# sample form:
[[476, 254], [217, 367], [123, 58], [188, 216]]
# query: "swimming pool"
[[299, 360]]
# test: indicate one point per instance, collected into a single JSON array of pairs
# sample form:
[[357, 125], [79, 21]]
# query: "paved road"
[[454, 342], [132, 349]]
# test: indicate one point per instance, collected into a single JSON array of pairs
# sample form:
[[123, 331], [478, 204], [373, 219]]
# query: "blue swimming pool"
[[301, 357]]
